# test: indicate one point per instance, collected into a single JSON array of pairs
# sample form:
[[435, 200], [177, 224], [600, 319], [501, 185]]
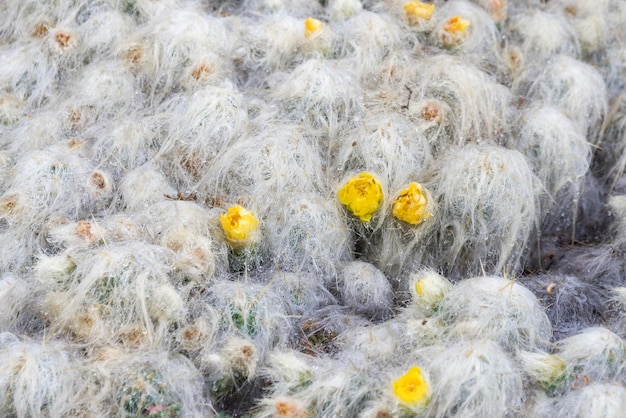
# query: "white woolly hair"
[[387, 144], [27, 73], [118, 294], [288, 370], [307, 232], [278, 160], [188, 230], [497, 309], [374, 347], [596, 353], [478, 106], [597, 22], [122, 147], [101, 90], [202, 127], [103, 32], [556, 148], [174, 41], [497, 9], [487, 200], [541, 35], [472, 379], [142, 187], [369, 38], [19, 312], [594, 400], [38, 378], [576, 88], [141, 383], [480, 45], [268, 45], [35, 132], [303, 293], [251, 310], [570, 302], [365, 289], [335, 389], [427, 288], [322, 95]]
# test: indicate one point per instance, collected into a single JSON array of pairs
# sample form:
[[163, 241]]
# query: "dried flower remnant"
[[240, 226], [417, 11], [63, 39], [411, 388], [312, 26], [411, 206], [362, 196]]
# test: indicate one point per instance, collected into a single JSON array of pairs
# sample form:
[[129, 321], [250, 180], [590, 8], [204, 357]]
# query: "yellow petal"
[[362, 196], [457, 25], [312, 26], [411, 206], [411, 388], [240, 226], [416, 10]]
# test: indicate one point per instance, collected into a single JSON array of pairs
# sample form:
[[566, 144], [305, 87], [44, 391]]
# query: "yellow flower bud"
[[456, 25], [312, 26], [411, 206], [362, 196], [411, 388], [416, 11], [240, 226]]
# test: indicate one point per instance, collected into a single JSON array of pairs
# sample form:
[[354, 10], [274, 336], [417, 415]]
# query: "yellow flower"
[[362, 196], [411, 206], [416, 11], [240, 226], [411, 388], [456, 25], [311, 27]]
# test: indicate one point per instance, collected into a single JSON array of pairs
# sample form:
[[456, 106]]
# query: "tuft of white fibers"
[[344, 9], [278, 159], [268, 45], [570, 302], [369, 38], [478, 43], [617, 205], [595, 352], [607, 400], [373, 347], [173, 40], [143, 187], [19, 312], [124, 146], [38, 378], [281, 407], [289, 370], [546, 370], [497, 9], [543, 35], [302, 292], [365, 289], [334, 389], [597, 22], [495, 308], [242, 356], [620, 295], [307, 233], [488, 208], [478, 106], [427, 288], [252, 311], [574, 87], [143, 383], [11, 109], [202, 126], [121, 292], [322, 95], [101, 90], [103, 33], [27, 73], [472, 379], [556, 148], [387, 144], [57, 183], [186, 229]]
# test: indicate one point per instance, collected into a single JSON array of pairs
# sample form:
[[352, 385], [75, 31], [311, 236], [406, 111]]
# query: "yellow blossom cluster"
[[240, 226], [411, 388], [362, 195]]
